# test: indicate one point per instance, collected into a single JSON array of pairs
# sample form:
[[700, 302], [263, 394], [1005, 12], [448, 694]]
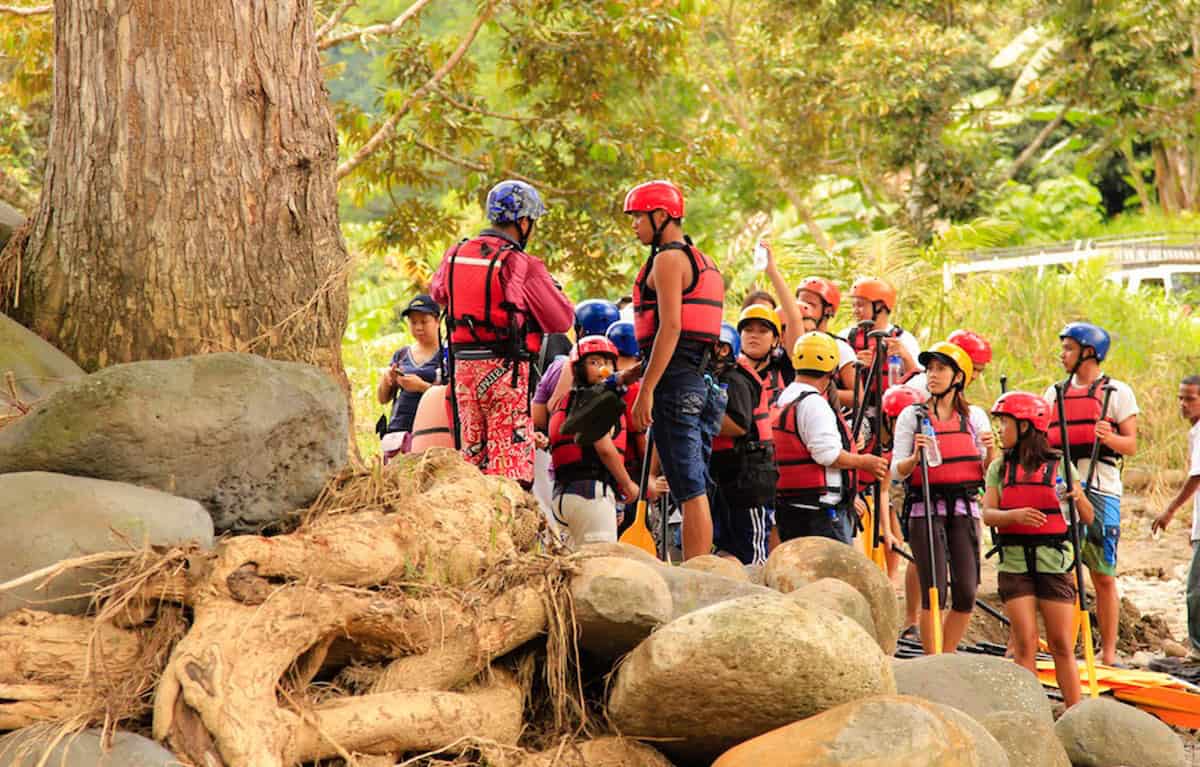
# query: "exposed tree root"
[[412, 720]]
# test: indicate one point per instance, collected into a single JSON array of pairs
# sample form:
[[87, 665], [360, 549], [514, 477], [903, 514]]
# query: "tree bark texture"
[[189, 202]]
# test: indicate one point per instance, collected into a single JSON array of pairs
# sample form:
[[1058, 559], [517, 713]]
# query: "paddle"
[[1095, 456], [1089, 653], [934, 607], [638, 534]]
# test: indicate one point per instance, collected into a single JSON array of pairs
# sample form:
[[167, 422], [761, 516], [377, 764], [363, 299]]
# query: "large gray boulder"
[[25, 748], [693, 590], [250, 438], [38, 368], [891, 730], [737, 669], [618, 602], [977, 685], [1029, 739], [1100, 732], [52, 517], [801, 561], [840, 597]]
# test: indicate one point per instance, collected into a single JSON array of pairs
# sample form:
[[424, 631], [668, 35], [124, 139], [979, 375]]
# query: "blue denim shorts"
[[688, 408], [1103, 534]]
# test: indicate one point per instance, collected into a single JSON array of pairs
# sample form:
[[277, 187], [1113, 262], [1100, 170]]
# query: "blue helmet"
[[730, 335], [1087, 334], [623, 336], [593, 316], [512, 200]]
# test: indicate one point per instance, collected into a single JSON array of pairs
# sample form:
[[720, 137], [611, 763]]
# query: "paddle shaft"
[[1003, 384], [1073, 522], [877, 450], [935, 608], [872, 377], [1095, 456]]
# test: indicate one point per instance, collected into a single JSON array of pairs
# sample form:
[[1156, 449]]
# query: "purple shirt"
[[549, 380]]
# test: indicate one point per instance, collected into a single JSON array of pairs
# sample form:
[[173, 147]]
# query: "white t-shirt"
[[846, 355], [1194, 470], [818, 428], [906, 429], [1122, 406]]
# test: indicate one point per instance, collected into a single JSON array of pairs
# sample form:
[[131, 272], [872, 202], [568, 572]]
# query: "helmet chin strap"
[[656, 240], [877, 308], [1082, 358], [523, 234]]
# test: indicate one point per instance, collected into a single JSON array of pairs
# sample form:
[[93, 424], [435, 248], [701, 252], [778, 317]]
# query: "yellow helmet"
[[762, 313], [815, 353], [954, 354]]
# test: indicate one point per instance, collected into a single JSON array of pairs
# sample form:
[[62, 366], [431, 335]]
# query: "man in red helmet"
[[678, 300]]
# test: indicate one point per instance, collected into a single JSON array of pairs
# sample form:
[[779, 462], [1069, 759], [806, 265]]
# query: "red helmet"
[[828, 292], [655, 195], [1024, 407], [593, 345], [899, 397], [975, 345]]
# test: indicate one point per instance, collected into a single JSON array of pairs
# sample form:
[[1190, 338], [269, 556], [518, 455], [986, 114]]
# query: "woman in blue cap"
[[413, 369]]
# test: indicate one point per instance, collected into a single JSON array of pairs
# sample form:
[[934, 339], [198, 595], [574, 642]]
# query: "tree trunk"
[[189, 202]]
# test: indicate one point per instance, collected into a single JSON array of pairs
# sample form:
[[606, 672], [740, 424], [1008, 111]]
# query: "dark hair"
[[1032, 450], [758, 296], [1193, 380]]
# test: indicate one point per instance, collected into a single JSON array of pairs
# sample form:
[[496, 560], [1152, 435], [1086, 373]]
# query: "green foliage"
[[1153, 346], [1057, 209]]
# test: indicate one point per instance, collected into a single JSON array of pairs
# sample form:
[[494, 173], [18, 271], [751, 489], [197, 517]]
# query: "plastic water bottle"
[[895, 370], [760, 257], [933, 453], [1060, 489]]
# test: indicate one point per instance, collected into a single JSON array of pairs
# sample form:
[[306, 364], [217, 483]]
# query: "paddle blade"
[[638, 534], [876, 554], [1089, 654], [936, 610]]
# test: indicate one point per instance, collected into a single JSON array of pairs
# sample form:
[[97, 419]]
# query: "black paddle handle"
[[1069, 479], [929, 510], [1095, 456]]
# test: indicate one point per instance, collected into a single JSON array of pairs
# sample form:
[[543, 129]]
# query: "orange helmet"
[[873, 289], [829, 293]]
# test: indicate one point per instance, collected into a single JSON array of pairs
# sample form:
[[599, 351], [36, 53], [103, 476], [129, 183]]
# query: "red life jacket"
[[760, 430], [961, 464], [633, 454], [573, 462], [477, 313], [1082, 407], [703, 301], [801, 478], [860, 341], [1018, 489]]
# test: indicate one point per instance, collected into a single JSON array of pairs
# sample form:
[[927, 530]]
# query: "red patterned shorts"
[[495, 426]]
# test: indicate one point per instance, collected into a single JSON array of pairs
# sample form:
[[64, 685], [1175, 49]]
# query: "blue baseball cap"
[[422, 303]]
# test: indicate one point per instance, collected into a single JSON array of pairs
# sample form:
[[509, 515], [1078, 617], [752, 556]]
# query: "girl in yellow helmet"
[[950, 436]]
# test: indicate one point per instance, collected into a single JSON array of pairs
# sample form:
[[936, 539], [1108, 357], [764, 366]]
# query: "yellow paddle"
[[638, 533], [934, 608], [1085, 621]]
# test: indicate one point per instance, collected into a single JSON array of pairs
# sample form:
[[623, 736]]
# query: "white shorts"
[[587, 520]]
